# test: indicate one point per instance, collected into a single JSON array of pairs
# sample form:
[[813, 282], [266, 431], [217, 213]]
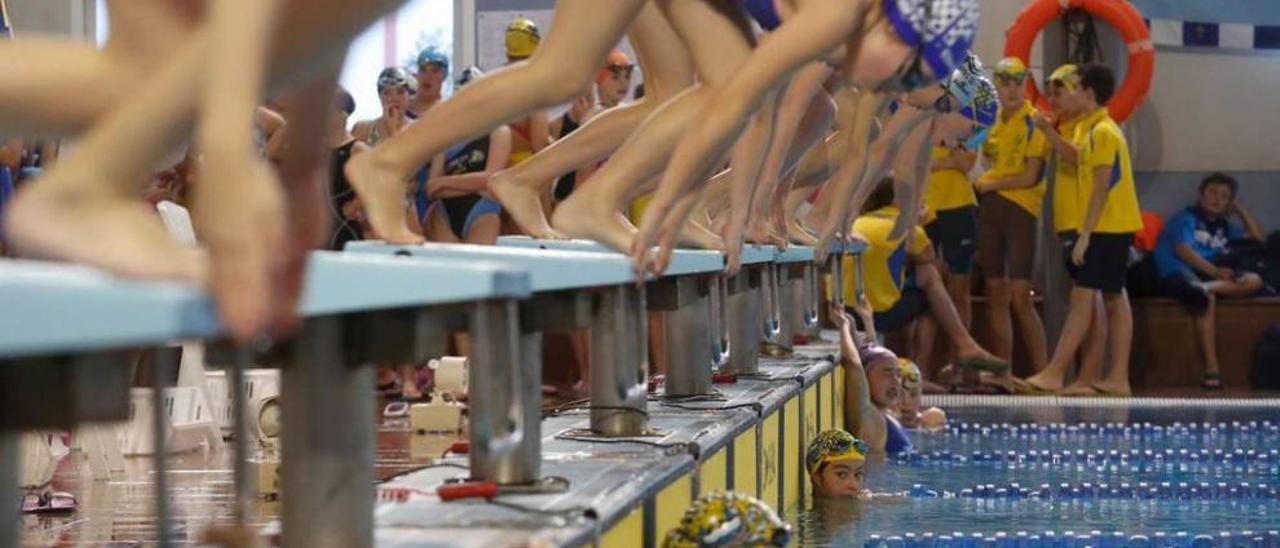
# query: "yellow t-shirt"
[[1105, 146], [1065, 215], [1009, 147], [947, 188], [884, 262]]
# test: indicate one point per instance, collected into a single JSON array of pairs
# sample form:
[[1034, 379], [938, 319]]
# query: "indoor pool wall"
[[1048, 472]]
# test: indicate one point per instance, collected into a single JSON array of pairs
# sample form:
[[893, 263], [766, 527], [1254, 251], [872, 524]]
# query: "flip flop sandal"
[[1081, 392], [396, 409], [1027, 388], [990, 365], [1105, 393], [1212, 381], [48, 502]]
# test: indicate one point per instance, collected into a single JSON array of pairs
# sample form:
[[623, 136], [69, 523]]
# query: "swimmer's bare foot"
[[1113, 390], [382, 192], [522, 201], [695, 234], [50, 220], [761, 232], [800, 234], [584, 216], [242, 222]]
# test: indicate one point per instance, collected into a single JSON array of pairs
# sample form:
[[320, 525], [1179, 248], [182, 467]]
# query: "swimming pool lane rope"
[[1264, 458], [1165, 490], [1173, 430], [1071, 539], [1057, 402]]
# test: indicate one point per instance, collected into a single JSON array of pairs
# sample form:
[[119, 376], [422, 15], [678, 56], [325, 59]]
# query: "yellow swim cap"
[[522, 38], [1068, 76], [1012, 68], [726, 518], [910, 373], [833, 445]]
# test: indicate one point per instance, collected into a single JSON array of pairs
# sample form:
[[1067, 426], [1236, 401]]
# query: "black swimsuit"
[[340, 192]]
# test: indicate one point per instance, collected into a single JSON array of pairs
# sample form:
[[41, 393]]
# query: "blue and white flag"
[[1167, 32]]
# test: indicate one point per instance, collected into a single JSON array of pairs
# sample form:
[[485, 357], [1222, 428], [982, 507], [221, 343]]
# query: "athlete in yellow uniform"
[[953, 208], [1012, 193], [903, 284], [1109, 203]]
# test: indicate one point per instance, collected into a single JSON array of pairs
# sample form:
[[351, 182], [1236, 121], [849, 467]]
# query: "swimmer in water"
[[909, 413], [835, 461], [873, 387], [728, 518]]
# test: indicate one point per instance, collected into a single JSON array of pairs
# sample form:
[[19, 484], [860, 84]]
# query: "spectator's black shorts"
[[1187, 289], [1105, 262], [1068, 239], [955, 237], [911, 305]]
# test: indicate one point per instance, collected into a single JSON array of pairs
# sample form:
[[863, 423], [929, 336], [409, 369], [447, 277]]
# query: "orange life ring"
[[1119, 14]]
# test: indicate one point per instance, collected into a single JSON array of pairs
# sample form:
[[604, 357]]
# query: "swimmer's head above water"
[[910, 414], [884, 378], [835, 461]]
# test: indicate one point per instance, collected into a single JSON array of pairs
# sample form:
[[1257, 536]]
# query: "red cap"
[[615, 59]]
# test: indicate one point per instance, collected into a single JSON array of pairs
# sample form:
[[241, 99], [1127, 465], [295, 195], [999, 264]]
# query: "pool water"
[[1045, 475]]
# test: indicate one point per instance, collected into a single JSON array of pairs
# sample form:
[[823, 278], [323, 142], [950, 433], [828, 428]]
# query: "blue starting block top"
[[683, 261], [347, 282], [59, 308], [549, 270], [756, 254], [796, 254], [855, 247]]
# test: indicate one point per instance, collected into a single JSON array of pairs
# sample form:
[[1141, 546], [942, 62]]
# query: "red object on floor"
[[460, 448], [468, 490], [723, 378], [655, 381]]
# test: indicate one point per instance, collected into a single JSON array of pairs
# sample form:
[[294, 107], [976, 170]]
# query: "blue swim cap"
[[943, 30], [976, 94], [432, 55]]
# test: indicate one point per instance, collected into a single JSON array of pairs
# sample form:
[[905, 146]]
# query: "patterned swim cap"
[[1011, 67], [974, 92], [942, 30], [726, 518], [832, 446], [1068, 76], [910, 374], [392, 77]]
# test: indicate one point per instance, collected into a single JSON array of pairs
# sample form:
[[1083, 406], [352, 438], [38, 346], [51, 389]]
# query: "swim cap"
[[910, 374], [468, 74], [346, 103], [432, 55], [874, 353], [726, 518], [391, 77], [833, 446], [942, 30], [1011, 67], [617, 61], [1068, 76], [522, 38]]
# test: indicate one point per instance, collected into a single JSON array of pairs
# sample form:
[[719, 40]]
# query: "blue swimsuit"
[[896, 440], [764, 12]]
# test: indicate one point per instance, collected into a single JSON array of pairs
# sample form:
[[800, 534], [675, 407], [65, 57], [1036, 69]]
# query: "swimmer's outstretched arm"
[[881, 154], [913, 159], [852, 165], [862, 419], [451, 186]]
